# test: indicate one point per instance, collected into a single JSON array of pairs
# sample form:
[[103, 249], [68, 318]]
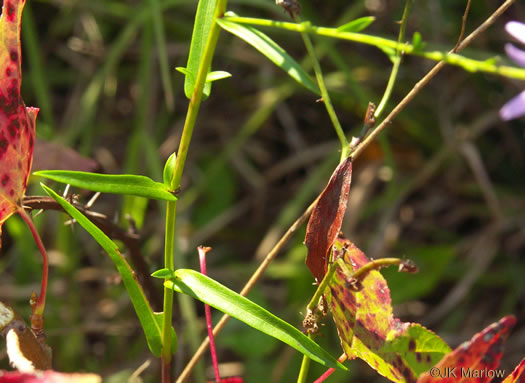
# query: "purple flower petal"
[[515, 108], [516, 30], [517, 55]]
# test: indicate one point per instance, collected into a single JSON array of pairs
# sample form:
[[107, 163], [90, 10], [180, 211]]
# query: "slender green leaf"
[[207, 290], [217, 75], [271, 50], [169, 167], [163, 274], [149, 320], [184, 71], [357, 25], [109, 183], [201, 30]]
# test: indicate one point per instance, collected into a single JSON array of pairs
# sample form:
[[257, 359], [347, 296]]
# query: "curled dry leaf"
[[326, 219], [475, 360], [17, 122]]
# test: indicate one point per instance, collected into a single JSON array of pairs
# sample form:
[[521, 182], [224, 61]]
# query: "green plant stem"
[[169, 246], [471, 65], [396, 61], [171, 208], [305, 366], [322, 87], [322, 287], [303, 372]]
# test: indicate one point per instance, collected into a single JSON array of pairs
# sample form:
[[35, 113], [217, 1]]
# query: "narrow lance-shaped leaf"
[[357, 25], [367, 328], [271, 50], [207, 290], [112, 183], [472, 360], [326, 219], [199, 37], [151, 322], [17, 122]]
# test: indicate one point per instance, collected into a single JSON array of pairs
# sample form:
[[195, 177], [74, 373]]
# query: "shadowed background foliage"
[[442, 186]]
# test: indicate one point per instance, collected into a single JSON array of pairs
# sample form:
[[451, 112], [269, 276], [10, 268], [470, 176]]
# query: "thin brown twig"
[[426, 79], [463, 25]]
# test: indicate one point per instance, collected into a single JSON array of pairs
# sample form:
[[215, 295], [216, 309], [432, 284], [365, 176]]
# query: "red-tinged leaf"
[[367, 328], [326, 219], [17, 123], [47, 377], [475, 360], [516, 375]]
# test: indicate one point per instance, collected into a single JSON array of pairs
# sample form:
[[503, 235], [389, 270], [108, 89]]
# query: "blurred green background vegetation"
[[443, 185]]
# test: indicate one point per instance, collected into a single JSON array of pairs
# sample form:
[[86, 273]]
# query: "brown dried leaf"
[[326, 219]]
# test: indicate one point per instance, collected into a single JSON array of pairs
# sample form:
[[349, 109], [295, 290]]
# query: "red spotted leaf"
[[516, 375], [17, 123], [367, 327], [476, 360], [326, 219]]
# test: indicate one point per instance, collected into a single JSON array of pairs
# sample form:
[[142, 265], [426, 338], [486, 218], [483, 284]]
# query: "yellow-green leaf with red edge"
[[17, 122], [516, 375], [475, 360], [366, 325]]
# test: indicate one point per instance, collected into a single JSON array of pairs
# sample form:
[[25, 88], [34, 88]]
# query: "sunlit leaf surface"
[[367, 327], [17, 122]]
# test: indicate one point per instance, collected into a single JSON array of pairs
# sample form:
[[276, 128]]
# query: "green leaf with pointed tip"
[[163, 274], [357, 25], [167, 174], [217, 75], [149, 320], [184, 71], [111, 183], [271, 50], [207, 290], [201, 30]]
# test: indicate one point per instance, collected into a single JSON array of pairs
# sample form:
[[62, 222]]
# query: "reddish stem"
[[330, 371], [39, 305], [326, 374], [166, 370], [202, 258]]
